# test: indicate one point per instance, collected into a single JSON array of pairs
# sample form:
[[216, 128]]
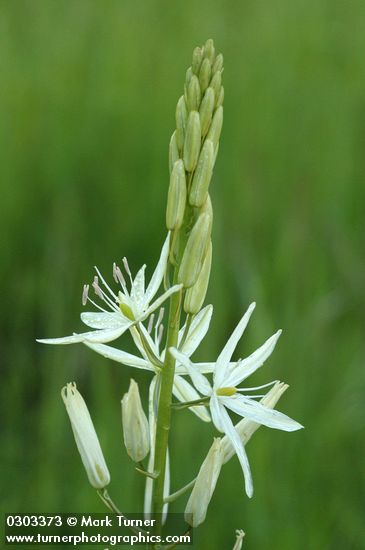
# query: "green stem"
[[164, 407], [180, 492]]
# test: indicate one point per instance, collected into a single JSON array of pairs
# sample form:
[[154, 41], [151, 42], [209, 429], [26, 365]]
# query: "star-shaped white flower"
[[182, 389], [125, 308], [224, 394]]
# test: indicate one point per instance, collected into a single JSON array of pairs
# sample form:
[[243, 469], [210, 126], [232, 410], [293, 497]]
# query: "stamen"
[[150, 323], [126, 267], [118, 276], [97, 288], [85, 295], [105, 283], [160, 334], [160, 317], [258, 387]]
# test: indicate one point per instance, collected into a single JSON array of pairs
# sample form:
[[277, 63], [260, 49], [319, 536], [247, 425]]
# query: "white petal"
[[227, 352], [100, 336], [166, 487], [160, 300], [101, 320], [150, 340], [215, 409], [120, 356], [248, 408], [204, 368], [197, 331], [243, 369], [159, 272], [238, 446], [199, 381], [137, 290], [184, 391], [152, 405]]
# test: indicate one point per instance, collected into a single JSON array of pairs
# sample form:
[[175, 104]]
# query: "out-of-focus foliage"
[[87, 98]]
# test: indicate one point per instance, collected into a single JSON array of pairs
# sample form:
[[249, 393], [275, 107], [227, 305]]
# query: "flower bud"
[[181, 116], [194, 94], [204, 75], [195, 251], [197, 59], [207, 208], [135, 424], [188, 75], [209, 50], [206, 110], [220, 98], [195, 295], [173, 151], [85, 436], [192, 141], [216, 83], [202, 175], [216, 126], [196, 508], [218, 63], [176, 199]]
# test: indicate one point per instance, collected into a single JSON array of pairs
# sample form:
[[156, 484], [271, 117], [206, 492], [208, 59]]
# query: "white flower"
[[197, 505], [126, 307], [136, 431], [85, 436], [182, 389], [224, 394]]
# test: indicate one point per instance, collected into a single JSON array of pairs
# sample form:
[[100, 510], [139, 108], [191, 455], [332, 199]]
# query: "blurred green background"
[[87, 99]]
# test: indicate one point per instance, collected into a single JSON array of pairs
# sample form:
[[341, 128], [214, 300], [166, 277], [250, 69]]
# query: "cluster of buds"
[[192, 154]]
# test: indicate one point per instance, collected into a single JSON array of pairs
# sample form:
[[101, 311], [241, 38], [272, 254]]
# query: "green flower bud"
[[194, 94], [195, 295], [192, 141], [173, 151], [197, 59], [216, 126], [218, 64], [204, 75], [181, 116], [189, 74], [207, 208], [209, 50], [135, 424], [176, 199], [220, 98], [195, 251], [216, 83], [206, 110], [202, 175]]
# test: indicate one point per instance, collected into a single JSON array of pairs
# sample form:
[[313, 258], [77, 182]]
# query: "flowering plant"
[[183, 270]]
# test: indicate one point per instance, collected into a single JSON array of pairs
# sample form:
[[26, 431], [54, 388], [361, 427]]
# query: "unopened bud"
[[176, 199], [173, 151], [206, 110], [197, 506], [192, 141], [181, 117], [195, 251], [216, 126], [209, 50], [218, 63], [220, 98], [216, 83], [195, 295], [207, 208], [194, 94], [85, 436], [202, 175], [197, 59], [204, 75], [135, 424], [189, 74]]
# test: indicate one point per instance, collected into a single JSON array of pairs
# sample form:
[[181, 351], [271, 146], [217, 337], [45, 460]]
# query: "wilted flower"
[[127, 307], [135, 424], [196, 508], [225, 394], [85, 436], [239, 540]]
